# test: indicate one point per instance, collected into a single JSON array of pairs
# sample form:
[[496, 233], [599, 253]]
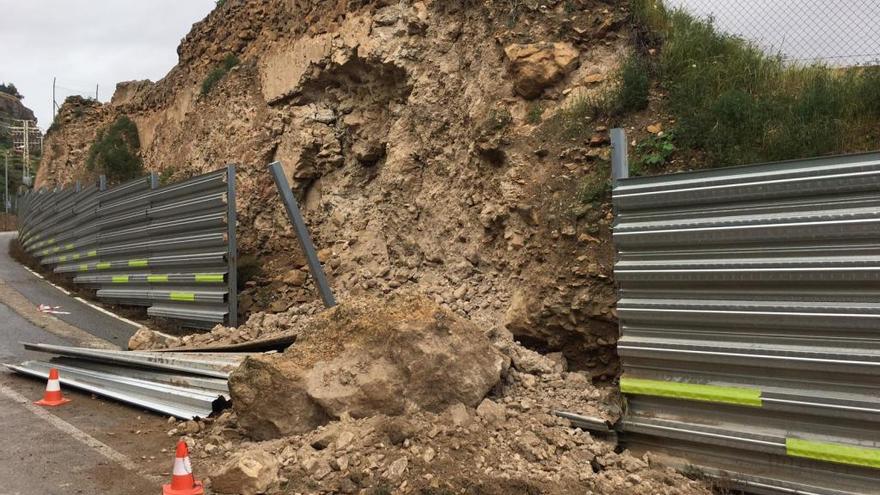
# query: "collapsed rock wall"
[[405, 130]]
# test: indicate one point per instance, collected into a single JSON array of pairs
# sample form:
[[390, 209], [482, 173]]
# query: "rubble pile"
[[462, 423]]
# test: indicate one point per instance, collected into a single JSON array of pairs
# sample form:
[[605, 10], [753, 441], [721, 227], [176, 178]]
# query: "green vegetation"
[[534, 113], [10, 89], [653, 152], [114, 152], [219, 3], [738, 104], [218, 73]]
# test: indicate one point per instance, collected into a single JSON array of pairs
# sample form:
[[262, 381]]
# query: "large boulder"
[[246, 473], [537, 66], [363, 358]]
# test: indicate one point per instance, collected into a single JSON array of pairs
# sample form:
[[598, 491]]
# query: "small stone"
[[396, 469], [492, 412]]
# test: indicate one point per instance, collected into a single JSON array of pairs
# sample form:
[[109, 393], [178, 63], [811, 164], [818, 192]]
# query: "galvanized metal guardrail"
[[171, 249], [750, 321]]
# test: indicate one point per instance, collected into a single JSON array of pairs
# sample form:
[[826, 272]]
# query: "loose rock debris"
[[361, 440]]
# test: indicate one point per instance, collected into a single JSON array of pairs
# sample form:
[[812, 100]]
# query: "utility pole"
[[6, 183], [96, 92], [23, 144]]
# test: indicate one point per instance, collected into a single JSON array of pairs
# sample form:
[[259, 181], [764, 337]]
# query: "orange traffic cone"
[[52, 396], [182, 480]]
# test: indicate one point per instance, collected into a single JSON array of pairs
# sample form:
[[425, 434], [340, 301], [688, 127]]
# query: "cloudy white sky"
[[836, 32], [89, 42]]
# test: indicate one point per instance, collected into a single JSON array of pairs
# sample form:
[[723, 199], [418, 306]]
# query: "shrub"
[[739, 104], [218, 73], [653, 152], [635, 84], [534, 113], [114, 152]]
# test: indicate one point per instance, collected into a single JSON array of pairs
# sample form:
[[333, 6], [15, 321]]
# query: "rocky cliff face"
[[12, 108], [411, 134]]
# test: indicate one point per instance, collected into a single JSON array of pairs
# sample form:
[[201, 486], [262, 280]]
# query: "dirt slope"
[[419, 162]]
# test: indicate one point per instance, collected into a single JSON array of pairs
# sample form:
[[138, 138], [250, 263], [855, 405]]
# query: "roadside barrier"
[[171, 249]]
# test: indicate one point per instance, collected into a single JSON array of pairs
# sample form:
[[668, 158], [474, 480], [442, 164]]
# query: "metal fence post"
[[302, 234], [619, 156], [232, 247]]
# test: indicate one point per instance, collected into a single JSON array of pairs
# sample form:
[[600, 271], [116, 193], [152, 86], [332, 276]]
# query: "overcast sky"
[[89, 42], [842, 32]]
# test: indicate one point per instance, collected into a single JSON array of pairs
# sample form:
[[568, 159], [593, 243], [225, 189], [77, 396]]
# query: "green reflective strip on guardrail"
[[103, 265], [120, 279], [138, 263], [83, 268], [92, 253], [833, 452], [183, 296], [209, 277], [708, 393], [157, 278]]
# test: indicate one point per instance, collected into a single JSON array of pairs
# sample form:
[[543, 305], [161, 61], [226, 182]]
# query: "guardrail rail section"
[[750, 321], [171, 249]]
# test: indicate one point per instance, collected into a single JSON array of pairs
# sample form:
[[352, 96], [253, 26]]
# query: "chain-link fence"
[[837, 33]]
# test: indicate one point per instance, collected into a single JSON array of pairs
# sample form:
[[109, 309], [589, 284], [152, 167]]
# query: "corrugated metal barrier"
[[750, 321], [171, 249]]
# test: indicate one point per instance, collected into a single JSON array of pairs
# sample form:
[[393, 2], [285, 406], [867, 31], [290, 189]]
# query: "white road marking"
[[90, 441], [62, 289], [107, 312], [93, 306]]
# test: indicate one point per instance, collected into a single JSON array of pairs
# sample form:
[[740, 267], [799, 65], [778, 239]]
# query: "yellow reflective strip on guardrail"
[[137, 263], [76, 256], [708, 393], [69, 246], [44, 252], [209, 277], [56, 249], [120, 279], [62, 258], [157, 278], [83, 268], [92, 253], [833, 452], [103, 265], [183, 296]]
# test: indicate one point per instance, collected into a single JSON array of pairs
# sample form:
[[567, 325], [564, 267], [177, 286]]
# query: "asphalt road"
[[64, 450], [39, 292]]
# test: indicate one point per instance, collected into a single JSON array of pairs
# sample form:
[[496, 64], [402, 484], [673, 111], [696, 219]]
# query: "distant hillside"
[[12, 108]]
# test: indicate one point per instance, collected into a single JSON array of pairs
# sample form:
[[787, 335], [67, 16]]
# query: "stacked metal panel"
[[171, 249], [750, 317], [186, 385]]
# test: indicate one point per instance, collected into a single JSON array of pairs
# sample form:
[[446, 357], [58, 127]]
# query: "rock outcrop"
[[405, 135], [366, 357], [538, 66]]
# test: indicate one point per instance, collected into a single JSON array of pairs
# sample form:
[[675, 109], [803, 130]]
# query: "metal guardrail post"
[[154, 180], [619, 155], [302, 234], [232, 246], [102, 182]]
